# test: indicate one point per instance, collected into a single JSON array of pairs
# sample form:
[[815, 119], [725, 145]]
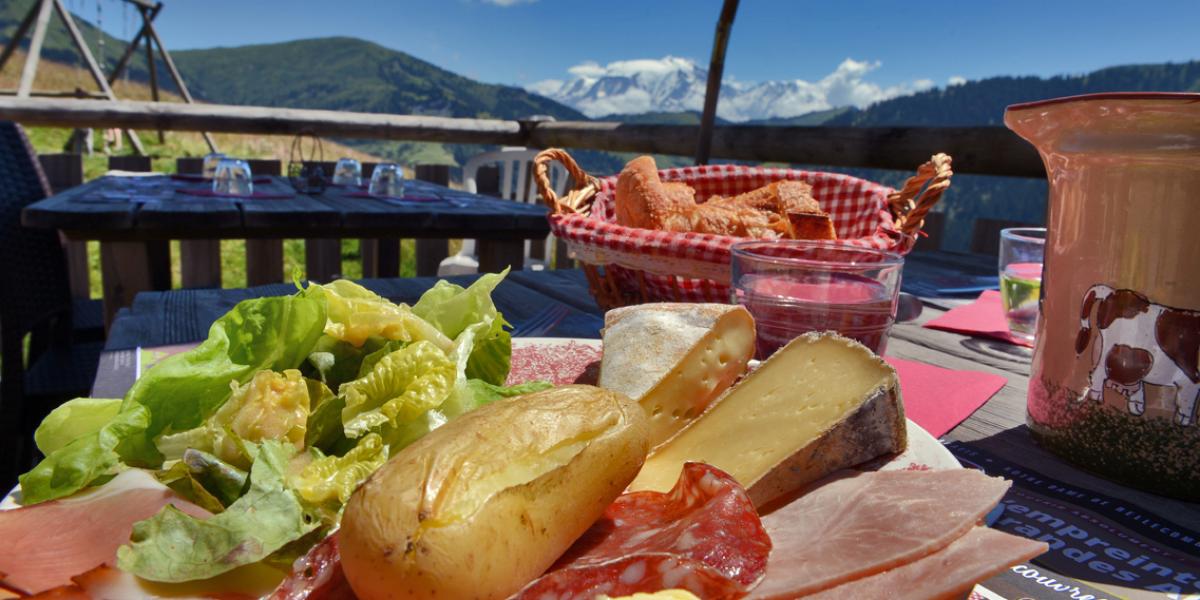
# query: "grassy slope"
[[57, 76]]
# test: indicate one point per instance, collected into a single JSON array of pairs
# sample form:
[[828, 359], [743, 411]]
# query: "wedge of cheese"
[[819, 404], [675, 358]]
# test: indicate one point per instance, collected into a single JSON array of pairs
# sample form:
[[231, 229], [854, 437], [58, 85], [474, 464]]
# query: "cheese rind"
[[675, 358], [819, 404]]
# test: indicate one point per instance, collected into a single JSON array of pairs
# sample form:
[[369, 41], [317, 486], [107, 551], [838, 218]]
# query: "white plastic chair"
[[516, 184]]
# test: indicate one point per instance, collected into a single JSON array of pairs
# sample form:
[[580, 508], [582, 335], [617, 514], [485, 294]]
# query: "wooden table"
[[998, 428], [134, 217]]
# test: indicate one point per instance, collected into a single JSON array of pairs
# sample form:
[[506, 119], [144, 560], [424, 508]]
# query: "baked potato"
[[486, 503]]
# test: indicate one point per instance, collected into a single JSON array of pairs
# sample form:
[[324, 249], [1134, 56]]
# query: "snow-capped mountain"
[[673, 84]]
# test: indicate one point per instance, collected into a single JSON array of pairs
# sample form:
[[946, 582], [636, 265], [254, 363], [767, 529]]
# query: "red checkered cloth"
[[694, 267]]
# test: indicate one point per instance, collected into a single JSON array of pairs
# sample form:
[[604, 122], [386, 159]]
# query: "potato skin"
[[486, 503]]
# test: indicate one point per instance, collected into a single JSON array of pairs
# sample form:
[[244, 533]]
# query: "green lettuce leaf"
[[74, 419], [401, 386], [272, 406], [324, 430], [356, 314], [455, 310], [182, 392], [331, 479], [87, 460], [471, 395], [334, 362], [172, 546]]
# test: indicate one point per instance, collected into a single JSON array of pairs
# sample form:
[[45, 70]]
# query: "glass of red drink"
[[793, 287]]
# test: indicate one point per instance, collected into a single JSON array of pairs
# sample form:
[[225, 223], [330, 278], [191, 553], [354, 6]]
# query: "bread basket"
[[627, 265]]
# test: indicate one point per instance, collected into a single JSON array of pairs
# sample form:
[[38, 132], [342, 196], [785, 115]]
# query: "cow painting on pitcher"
[[1140, 342]]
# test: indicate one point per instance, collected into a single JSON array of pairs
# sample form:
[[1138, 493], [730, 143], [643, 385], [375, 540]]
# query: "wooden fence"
[[978, 150]]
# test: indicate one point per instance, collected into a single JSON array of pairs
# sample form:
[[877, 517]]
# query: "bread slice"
[[675, 358], [819, 404], [810, 226]]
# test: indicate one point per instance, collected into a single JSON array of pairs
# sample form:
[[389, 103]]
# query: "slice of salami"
[[317, 575], [646, 572], [704, 530], [706, 517]]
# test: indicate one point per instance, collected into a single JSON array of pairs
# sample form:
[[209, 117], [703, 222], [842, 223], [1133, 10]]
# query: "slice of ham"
[[46, 544], [948, 573], [868, 522], [703, 536]]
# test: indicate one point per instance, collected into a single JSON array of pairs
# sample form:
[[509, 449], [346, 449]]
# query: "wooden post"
[[128, 268], [431, 252], [264, 261], [18, 35], [716, 68], [183, 90], [323, 259], [153, 71], [495, 255], [29, 72], [148, 15], [93, 67], [199, 260], [63, 172]]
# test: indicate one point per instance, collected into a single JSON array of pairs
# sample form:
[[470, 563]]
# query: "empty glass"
[[387, 180], [210, 164], [1022, 251], [347, 172], [233, 177]]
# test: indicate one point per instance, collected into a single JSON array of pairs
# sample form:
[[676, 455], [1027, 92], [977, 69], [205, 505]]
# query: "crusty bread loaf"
[[783, 209]]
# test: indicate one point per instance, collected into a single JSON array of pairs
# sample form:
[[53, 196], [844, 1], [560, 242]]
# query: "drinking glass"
[[347, 172], [1022, 251], [793, 287], [387, 180], [210, 164], [233, 177]]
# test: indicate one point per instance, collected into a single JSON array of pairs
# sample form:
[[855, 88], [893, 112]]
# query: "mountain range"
[[673, 84], [350, 74]]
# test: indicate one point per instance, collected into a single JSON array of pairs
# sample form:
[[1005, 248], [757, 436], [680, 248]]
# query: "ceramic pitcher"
[[1115, 384]]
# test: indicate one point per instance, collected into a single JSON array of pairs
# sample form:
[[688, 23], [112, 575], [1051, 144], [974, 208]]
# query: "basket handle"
[[577, 200], [907, 206]]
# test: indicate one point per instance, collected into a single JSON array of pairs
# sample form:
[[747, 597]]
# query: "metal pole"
[[716, 67]]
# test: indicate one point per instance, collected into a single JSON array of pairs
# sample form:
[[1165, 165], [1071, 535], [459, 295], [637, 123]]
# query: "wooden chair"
[[136, 164], [35, 301], [63, 172], [515, 183], [985, 234]]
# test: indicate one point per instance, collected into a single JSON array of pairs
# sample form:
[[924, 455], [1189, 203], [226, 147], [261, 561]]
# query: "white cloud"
[[672, 83], [545, 87], [956, 80], [507, 3]]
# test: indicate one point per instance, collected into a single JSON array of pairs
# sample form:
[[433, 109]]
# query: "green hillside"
[[982, 103]]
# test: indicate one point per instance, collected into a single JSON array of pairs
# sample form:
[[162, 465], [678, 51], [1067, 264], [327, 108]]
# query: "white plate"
[[563, 360]]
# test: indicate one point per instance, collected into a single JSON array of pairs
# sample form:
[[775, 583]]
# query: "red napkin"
[[401, 198], [208, 193], [984, 316], [939, 399]]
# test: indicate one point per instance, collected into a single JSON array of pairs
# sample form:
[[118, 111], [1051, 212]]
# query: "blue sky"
[[523, 42]]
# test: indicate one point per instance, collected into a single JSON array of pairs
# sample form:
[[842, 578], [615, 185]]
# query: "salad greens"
[[273, 421]]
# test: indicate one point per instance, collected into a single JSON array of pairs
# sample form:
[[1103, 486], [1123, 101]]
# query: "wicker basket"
[[626, 265]]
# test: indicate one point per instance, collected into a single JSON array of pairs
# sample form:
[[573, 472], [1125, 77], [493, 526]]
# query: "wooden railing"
[[981, 150], [977, 150]]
